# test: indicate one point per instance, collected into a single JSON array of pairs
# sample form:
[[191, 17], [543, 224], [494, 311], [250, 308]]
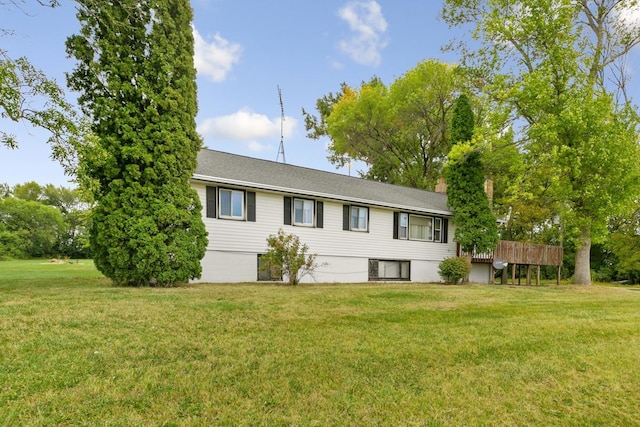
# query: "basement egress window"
[[389, 269]]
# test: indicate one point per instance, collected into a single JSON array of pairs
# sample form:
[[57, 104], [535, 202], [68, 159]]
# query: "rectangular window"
[[303, 212], [415, 227], [231, 204], [359, 216], [389, 270], [403, 226], [437, 229], [268, 273], [421, 228]]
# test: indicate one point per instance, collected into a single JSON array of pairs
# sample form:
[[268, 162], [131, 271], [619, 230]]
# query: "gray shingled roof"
[[218, 166]]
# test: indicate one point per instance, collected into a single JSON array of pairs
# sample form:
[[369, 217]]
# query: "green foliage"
[[29, 97], [624, 244], [288, 255], [401, 131], [476, 226], [136, 79], [12, 244], [462, 122], [626, 248], [576, 128], [70, 237], [29, 228], [455, 269]]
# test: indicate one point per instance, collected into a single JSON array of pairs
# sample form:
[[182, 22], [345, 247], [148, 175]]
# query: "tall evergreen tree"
[[476, 227], [136, 78]]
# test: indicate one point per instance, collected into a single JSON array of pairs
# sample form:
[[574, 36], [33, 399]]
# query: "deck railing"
[[519, 253]]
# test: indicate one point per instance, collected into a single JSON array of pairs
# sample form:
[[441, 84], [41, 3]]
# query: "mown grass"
[[77, 351]]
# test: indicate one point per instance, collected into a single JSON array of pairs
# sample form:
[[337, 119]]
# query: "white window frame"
[[402, 267], [429, 231], [359, 226], [437, 229], [232, 193], [403, 226], [308, 220]]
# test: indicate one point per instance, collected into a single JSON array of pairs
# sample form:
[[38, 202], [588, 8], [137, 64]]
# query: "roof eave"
[[291, 190]]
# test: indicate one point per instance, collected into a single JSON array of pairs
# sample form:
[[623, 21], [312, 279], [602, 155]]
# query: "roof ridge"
[[273, 162]]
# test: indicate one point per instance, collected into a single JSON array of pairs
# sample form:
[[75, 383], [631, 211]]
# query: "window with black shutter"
[[251, 206], [319, 214], [211, 202], [287, 210]]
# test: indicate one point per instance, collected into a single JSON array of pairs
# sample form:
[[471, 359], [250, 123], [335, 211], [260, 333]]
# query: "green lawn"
[[75, 350]]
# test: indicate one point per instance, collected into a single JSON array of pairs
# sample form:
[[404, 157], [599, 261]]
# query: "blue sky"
[[245, 49]]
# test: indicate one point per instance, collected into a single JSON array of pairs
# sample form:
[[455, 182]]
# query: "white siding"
[[229, 267], [234, 245], [425, 271], [339, 269], [480, 273]]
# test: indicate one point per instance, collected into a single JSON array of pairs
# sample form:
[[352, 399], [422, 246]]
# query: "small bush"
[[453, 270], [289, 256]]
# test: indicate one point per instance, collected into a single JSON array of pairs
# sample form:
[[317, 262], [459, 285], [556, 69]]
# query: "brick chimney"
[[441, 187]]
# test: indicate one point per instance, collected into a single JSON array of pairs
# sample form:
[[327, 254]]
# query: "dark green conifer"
[[136, 79], [476, 227]]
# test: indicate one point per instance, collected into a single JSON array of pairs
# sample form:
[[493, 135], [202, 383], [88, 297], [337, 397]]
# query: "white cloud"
[[245, 126], [368, 26], [216, 58]]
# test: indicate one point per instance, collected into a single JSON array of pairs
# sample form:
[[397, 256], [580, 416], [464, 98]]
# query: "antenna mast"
[[281, 148]]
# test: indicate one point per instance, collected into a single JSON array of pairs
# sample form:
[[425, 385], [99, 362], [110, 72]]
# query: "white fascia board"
[[317, 194]]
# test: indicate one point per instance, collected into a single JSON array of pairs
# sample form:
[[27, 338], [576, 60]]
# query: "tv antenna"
[[281, 148]]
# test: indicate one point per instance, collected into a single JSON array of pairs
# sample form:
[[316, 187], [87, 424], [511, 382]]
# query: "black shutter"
[[251, 206], [445, 230], [345, 217], [368, 219], [396, 224], [319, 214], [211, 202], [287, 210]]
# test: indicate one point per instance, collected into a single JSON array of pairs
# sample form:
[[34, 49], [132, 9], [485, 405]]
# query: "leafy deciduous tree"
[[70, 235], [34, 228], [27, 95], [624, 242], [401, 132], [552, 62], [136, 78]]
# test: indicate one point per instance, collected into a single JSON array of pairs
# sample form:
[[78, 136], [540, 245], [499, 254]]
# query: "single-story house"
[[361, 230]]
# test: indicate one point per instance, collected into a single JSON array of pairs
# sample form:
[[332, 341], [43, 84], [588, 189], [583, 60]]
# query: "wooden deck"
[[520, 253]]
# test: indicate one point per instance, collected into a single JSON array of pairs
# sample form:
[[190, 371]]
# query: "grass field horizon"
[[76, 350]]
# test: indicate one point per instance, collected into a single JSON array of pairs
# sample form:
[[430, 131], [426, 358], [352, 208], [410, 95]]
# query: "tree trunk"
[[582, 275]]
